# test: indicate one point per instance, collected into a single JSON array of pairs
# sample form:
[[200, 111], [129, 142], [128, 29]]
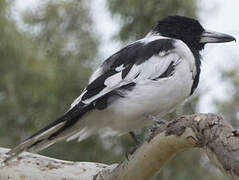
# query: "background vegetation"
[[44, 67]]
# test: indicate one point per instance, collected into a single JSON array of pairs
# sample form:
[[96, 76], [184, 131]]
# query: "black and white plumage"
[[149, 76]]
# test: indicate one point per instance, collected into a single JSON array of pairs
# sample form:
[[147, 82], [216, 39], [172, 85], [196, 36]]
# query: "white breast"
[[155, 97]]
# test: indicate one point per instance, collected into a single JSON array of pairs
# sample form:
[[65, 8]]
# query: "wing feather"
[[132, 64]]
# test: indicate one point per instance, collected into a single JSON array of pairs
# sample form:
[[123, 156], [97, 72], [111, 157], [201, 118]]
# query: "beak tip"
[[215, 37], [233, 38]]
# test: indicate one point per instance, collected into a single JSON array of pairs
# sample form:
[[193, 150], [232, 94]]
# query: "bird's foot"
[[155, 119], [156, 125], [160, 121], [130, 151]]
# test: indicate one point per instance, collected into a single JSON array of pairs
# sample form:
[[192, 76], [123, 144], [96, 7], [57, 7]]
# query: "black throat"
[[197, 57]]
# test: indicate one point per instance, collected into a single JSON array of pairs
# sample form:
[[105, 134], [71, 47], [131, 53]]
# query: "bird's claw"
[[160, 121], [130, 151], [155, 119]]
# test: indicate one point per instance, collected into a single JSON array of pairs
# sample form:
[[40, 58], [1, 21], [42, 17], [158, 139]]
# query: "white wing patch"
[[120, 68], [114, 80], [98, 72], [156, 66]]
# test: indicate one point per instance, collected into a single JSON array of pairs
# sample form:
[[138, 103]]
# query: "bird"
[[150, 76]]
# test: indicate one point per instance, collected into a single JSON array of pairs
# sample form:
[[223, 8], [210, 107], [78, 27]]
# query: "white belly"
[[148, 97]]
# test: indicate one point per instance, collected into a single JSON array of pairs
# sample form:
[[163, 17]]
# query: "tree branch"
[[206, 131]]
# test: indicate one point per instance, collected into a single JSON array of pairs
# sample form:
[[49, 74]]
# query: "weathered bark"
[[206, 131]]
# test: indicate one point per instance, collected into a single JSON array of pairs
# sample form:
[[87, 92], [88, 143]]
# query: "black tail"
[[52, 133]]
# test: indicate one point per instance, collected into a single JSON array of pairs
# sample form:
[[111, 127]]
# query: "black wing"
[[122, 68]]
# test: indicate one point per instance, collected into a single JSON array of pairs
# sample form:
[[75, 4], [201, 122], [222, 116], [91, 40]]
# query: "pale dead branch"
[[207, 131]]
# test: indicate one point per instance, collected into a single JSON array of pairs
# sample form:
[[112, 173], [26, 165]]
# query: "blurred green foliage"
[[44, 68], [229, 106], [46, 65], [137, 17]]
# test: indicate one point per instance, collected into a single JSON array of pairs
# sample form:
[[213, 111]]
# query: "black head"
[[190, 31]]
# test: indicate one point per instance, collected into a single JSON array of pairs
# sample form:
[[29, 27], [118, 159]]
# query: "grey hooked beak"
[[215, 37]]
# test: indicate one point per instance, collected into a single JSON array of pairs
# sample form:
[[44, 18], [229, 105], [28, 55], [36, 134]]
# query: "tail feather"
[[58, 130]]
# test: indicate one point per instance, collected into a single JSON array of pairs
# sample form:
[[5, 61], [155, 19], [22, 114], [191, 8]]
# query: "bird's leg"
[[132, 149], [137, 142], [132, 134]]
